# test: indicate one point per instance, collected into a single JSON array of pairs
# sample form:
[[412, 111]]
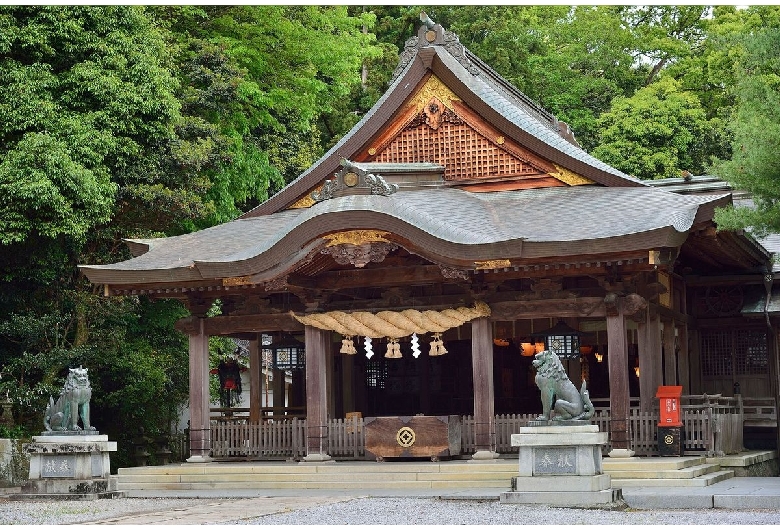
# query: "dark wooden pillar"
[[649, 336], [317, 344], [277, 390], [255, 379], [619, 403], [200, 429], [682, 359], [670, 357], [482, 371]]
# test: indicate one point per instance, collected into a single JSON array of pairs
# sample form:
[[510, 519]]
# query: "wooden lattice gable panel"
[[436, 126]]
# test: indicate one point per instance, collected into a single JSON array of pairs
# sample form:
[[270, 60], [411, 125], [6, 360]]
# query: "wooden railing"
[[712, 426], [266, 413], [283, 439], [760, 412]]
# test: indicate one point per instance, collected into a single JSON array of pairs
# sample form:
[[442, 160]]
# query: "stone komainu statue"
[[560, 399], [72, 403]]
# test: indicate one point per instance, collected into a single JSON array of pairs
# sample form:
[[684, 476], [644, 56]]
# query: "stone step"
[[674, 462], [684, 473], [320, 476], [700, 481], [132, 489]]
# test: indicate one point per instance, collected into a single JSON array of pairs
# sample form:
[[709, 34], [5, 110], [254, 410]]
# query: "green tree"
[[139, 122], [656, 133], [755, 129], [90, 114]]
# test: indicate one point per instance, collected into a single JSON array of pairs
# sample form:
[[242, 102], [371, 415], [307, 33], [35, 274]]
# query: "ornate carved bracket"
[[360, 255], [631, 305], [545, 288], [277, 284], [352, 177], [451, 273]]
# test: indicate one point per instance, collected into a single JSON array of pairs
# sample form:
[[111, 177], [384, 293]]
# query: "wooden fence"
[[712, 426]]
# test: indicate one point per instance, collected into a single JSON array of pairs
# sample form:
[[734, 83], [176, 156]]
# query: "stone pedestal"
[[560, 465], [69, 467]]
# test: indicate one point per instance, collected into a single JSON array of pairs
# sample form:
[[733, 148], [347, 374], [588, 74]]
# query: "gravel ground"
[[69, 512], [385, 511], [436, 512]]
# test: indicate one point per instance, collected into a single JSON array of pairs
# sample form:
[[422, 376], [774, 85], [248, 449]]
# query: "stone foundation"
[[560, 465], [69, 467]]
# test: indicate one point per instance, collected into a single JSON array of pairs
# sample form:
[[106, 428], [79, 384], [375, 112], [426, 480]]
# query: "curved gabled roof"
[[480, 87], [444, 225]]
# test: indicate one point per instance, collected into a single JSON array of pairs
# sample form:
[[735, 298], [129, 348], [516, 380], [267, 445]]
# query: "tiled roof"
[[486, 87], [515, 106], [517, 224]]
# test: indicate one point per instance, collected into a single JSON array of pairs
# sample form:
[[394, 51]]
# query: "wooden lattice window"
[[734, 352], [464, 152]]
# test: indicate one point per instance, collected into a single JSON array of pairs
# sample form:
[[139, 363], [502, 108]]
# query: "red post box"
[[670, 397]]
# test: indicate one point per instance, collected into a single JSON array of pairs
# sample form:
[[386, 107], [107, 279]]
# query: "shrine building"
[[413, 269]]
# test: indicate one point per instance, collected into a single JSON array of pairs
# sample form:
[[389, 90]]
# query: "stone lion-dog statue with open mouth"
[[560, 398]]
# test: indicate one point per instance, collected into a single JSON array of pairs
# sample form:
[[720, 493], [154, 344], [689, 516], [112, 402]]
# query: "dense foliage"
[[130, 121]]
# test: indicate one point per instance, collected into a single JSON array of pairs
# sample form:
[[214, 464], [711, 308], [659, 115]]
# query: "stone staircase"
[[684, 471], [687, 471], [449, 475]]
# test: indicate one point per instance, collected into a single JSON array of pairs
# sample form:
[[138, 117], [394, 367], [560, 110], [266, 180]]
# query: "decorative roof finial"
[[425, 19]]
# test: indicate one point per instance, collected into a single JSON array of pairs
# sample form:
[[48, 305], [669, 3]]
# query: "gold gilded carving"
[[500, 140], [350, 179], [569, 177], [405, 437], [356, 237], [306, 201], [433, 88], [238, 280], [372, 151], [492, 264]]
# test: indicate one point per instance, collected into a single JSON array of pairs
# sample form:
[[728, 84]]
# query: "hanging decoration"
[[393, 324], [347, 346], [415, 346], [229, 372], [437, 346], [393, 349], [367, 346]]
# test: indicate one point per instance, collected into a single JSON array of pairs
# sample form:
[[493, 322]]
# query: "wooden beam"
[[231, 325], [561, 307]]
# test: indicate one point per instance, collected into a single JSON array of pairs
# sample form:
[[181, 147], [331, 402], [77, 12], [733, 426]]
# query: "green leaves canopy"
[[756, 128], [656, 133]]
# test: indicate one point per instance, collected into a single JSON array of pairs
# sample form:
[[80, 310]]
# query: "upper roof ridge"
[[431, 33]]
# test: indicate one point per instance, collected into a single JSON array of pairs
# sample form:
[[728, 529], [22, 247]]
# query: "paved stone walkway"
[[225, 511]]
